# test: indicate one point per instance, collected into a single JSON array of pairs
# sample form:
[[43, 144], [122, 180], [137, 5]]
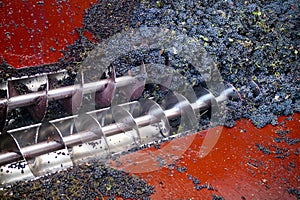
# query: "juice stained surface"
[[246, 163], [35, 32]]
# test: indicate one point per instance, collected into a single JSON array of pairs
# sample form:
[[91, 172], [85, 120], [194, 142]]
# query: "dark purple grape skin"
[[73, 104], [135, 90], [103, 97], [3, 113], [38, 110]]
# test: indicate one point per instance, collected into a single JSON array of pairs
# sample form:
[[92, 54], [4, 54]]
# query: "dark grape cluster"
[[250, 41], [87, 181]]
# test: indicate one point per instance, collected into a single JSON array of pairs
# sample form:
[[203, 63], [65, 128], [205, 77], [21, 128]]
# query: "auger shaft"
[[72, 140], [63, 92]]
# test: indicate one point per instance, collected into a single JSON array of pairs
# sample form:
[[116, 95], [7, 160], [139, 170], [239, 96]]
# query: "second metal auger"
[[38, 149]]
